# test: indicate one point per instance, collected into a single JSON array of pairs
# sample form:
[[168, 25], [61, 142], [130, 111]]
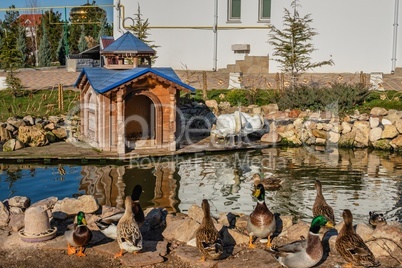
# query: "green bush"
[[237, 97], [390, 99], [338, 96]]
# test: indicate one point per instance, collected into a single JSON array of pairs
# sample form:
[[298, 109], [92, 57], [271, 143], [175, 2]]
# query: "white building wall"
[[357, 34]]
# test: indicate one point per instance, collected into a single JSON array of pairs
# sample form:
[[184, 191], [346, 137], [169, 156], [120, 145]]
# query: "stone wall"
[[379, 129]]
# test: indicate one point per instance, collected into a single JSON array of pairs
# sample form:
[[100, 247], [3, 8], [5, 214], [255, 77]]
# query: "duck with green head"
[[351, 246], [303, 253], [79, 236], [261, 222]]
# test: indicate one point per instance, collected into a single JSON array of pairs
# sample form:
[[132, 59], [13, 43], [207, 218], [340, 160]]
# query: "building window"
[[264, 10], [234, 10]]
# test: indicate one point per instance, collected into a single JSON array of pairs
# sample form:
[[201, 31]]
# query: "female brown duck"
[[207, 236], [351, 246], [321, 207]]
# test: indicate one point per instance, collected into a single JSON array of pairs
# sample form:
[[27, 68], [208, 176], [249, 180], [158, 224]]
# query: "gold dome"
[[87, 13]]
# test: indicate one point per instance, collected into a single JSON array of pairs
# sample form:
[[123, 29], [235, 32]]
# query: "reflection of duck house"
[[128, 105]]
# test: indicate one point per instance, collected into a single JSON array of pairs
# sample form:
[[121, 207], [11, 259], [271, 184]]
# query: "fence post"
[[60, 97], [204, 85]]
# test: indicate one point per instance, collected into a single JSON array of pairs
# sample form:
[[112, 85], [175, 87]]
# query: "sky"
[[57, 4]]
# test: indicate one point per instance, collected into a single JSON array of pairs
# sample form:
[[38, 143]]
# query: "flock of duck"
[[306, 252]]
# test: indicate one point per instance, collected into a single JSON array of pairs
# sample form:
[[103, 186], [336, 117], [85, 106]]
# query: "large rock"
[[5, 134], [362, 129], [60, 133], [9, 145], [4, 215], [386, 240], [347, 140], [18, 145], [16, 222], [196, 213], [16, 122], [374, 122], [271, 137], [71, 206], [346, 127], [398, 125], [396, 143], [375, 134], [47, 203], [392, 116], [319, 133], [389, 132], [33, 136], [377, 111], [334, 137], [19, 201], [182, 229], [294, 232], [29, 120]]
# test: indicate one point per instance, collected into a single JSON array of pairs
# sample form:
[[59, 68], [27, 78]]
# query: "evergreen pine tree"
[[102, 29], [45, 56], [292, 45], [53, 23], [22, 45], [140, 29], [61, 49], [10, 60], [82, 43]]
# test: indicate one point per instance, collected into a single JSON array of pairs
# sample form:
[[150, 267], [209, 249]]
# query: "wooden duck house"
[[124, 109]]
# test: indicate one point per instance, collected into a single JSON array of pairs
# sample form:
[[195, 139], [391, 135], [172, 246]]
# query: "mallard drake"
[[137, 209], [79, 236], [376, 219], [351, 246], [261, 222], [269, 183], [306, 252], [320, 206], [129, 235], [207, 236]]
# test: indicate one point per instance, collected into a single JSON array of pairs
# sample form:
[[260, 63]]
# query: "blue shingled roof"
[[102, 80], [128, 43]]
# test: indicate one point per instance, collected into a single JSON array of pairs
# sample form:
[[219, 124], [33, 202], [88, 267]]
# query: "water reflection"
[[356, 179]]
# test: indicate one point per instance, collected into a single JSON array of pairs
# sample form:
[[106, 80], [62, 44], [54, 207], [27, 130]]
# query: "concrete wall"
[[357, 35]]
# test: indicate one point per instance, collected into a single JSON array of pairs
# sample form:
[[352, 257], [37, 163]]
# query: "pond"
[[359, 180]]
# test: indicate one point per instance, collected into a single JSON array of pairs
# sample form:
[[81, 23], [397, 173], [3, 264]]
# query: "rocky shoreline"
[[379, 129], [169, 238]]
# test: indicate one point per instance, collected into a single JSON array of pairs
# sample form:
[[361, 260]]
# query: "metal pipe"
[[213, 27], [119, 8], [53, 7], [215, 30], [395, 36]]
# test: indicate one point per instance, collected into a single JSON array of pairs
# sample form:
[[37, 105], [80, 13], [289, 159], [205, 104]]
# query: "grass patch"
[[39, 103]]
